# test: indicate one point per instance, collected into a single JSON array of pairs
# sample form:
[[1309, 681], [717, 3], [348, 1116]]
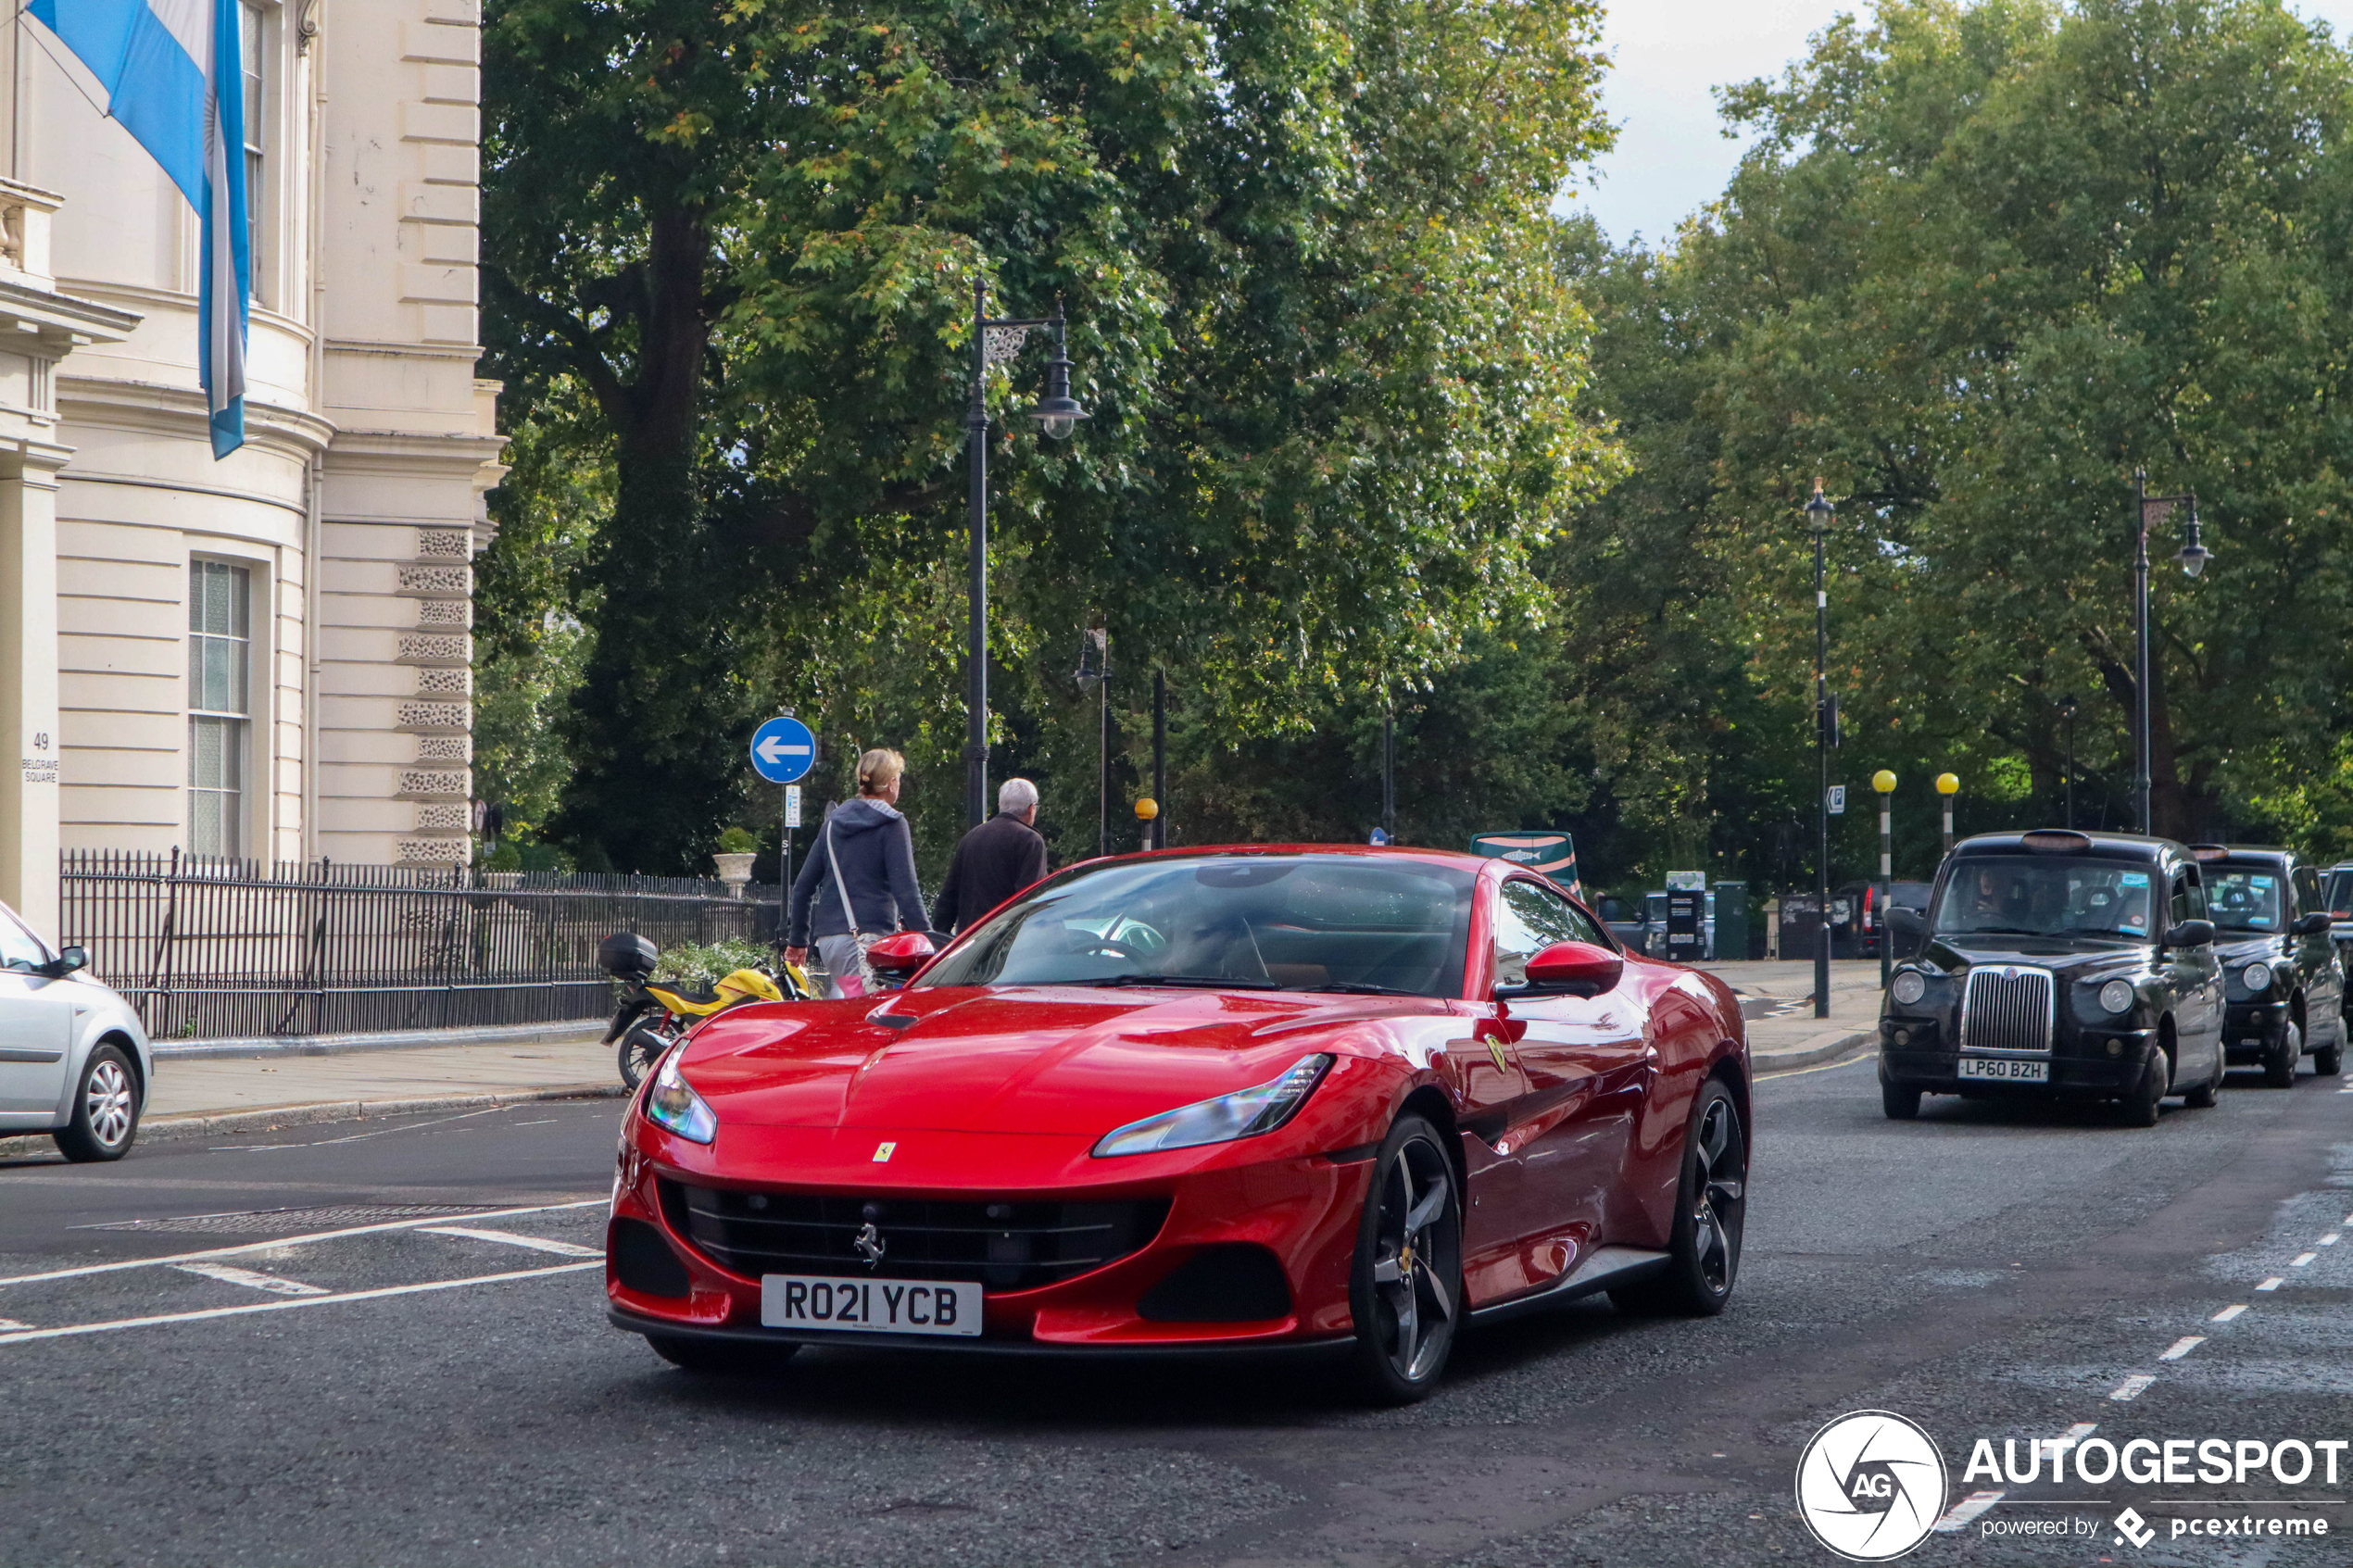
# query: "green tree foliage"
[[1333, 374]]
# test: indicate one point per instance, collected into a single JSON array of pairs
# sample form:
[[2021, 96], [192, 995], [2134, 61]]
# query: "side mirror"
[[2190, 933], [2311, 924], [896, 959], [1576, 968], [69, 959]]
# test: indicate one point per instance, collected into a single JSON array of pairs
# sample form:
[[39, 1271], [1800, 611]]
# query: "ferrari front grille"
[[1005, 1246], [2007, 1009]]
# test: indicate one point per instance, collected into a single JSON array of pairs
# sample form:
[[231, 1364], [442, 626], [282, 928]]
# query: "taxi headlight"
[[2116, 996], [2258, 976], [673, 1105], [1244, 1113], [1909, 987]]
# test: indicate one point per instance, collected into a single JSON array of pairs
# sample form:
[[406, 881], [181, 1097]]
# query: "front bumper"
[[2252, 1030], [2080, 1068], [1303, 1208]]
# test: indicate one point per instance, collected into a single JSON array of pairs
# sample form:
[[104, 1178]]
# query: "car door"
[[1588, 1065], [2196, 977], [36, 1024]]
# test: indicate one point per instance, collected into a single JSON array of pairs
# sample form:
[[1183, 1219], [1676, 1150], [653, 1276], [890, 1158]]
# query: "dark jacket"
[[995, 861], [877, 866]]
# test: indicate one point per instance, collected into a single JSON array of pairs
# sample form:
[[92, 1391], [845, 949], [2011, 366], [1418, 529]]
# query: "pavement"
[[385, 1345], [1777, 999]]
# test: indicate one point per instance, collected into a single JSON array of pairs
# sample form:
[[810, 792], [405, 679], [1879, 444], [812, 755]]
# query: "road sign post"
[[784, 751]]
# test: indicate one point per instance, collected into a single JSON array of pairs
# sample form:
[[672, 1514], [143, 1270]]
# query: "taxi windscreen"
[[2045, 896], [1293, 923], [2243, 900]]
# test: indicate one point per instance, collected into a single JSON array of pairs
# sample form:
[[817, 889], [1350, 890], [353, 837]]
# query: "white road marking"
[[290, 1241], [376, 1295], [2301, 1259], [8, 1323], [2181, 1347], [251, 1280], [2328, 1240], [355, 1137], [2227, 1313], [2081, 1430], [1957, 1518], [538, 1243], [2271, 1284], [2132, 1388]]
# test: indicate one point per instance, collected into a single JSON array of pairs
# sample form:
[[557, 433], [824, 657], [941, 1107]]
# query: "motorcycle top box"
[[627, 953]]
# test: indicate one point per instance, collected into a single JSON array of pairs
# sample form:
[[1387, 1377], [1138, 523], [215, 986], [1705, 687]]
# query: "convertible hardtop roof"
[[2073, 841]]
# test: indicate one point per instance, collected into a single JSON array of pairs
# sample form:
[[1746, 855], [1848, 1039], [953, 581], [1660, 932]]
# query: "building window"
[[254, 34], [219, 650]]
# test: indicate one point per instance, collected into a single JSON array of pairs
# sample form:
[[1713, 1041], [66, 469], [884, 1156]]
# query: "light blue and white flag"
[[171, 71]]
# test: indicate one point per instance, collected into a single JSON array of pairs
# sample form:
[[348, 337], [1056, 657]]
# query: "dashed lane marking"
[[2181, 1347], [2330, 1239], [8, 1323], [177, 1258], [2133, 1387], [380, 1293], [2227, 1313], [2301, 1259], [538, 1243], [251, 1280], [1957, 1518], [2081, 1430], [2271, 1284]]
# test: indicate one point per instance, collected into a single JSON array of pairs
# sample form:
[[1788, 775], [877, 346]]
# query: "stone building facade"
[[266, 656]]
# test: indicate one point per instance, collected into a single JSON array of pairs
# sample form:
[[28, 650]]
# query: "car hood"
[[2240, 947], [2067, 957], [1056, 1060]]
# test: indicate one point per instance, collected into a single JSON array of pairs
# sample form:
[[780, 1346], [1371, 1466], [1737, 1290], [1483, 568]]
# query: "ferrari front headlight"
[[673, 1105], [1245, 1113], [2258, 977]]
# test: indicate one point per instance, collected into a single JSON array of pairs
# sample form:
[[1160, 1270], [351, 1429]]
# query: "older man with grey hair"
[[995, 861]]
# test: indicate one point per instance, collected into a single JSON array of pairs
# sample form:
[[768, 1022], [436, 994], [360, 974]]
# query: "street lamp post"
[[1825, 722], [2152, 509], [1948, 785], [1885, 782], [2067, 708], [1057, 414]]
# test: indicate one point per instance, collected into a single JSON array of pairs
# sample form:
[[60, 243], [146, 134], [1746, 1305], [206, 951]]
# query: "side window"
[[2307, 891], [1528, 919], [2180, 909], [18, 948]]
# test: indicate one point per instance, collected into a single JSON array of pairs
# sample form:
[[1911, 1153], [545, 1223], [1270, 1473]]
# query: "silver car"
[[74, 1061]]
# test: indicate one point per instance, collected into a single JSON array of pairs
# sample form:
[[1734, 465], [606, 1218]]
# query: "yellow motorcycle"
[[655, 1013]]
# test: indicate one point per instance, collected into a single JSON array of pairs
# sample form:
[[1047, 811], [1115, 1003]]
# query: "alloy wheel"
[[1416, 1268], [106, 1099], [1718, 1195]]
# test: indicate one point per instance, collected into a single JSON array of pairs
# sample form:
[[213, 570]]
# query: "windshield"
[[2340, 893], [2242, 900], [2045, 896], [1293, 923]]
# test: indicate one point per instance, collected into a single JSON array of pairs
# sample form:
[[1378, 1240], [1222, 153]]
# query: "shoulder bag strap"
[[833, 860]]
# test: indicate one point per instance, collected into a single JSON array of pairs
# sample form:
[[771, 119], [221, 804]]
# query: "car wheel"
[[640, 1049], [1406, 1288], [2329, 1060], [1900, 1103], [2208, 1093], [106, 1109], [2279, 1063], [1711, 1206], [720, 1357], [2139, 1108]]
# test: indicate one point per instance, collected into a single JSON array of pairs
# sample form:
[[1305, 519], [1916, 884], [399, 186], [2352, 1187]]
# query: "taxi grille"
[[1005, 1246], [2006, 1010]]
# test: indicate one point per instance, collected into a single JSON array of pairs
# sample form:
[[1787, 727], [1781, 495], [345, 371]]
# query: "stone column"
[[28, 680]]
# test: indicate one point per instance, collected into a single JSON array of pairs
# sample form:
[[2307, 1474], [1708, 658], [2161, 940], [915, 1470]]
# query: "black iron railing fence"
[[211, 949]]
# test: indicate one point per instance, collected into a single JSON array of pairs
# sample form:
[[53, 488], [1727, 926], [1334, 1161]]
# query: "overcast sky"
[[1671, 153]]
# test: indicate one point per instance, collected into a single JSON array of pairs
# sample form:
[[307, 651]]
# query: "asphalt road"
[[1986, 1272]]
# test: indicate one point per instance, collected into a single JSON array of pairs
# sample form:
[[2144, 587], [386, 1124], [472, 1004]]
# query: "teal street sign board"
[[1555, 853], [783, 750]]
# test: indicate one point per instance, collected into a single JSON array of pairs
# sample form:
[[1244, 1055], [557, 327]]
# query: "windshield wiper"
[[1995, 930], [1211, 982], [1357, 988]]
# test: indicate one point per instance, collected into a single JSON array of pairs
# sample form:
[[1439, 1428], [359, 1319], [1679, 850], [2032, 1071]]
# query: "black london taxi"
[[2063, 965], [2282, 977]]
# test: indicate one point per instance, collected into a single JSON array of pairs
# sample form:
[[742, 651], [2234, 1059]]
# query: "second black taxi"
[[2061, 965], [2283, 982]]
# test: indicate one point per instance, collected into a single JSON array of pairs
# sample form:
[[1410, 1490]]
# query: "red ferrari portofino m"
[[1198, 1100]]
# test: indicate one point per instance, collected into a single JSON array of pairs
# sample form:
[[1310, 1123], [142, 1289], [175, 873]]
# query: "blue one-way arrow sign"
[[783, 750]]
